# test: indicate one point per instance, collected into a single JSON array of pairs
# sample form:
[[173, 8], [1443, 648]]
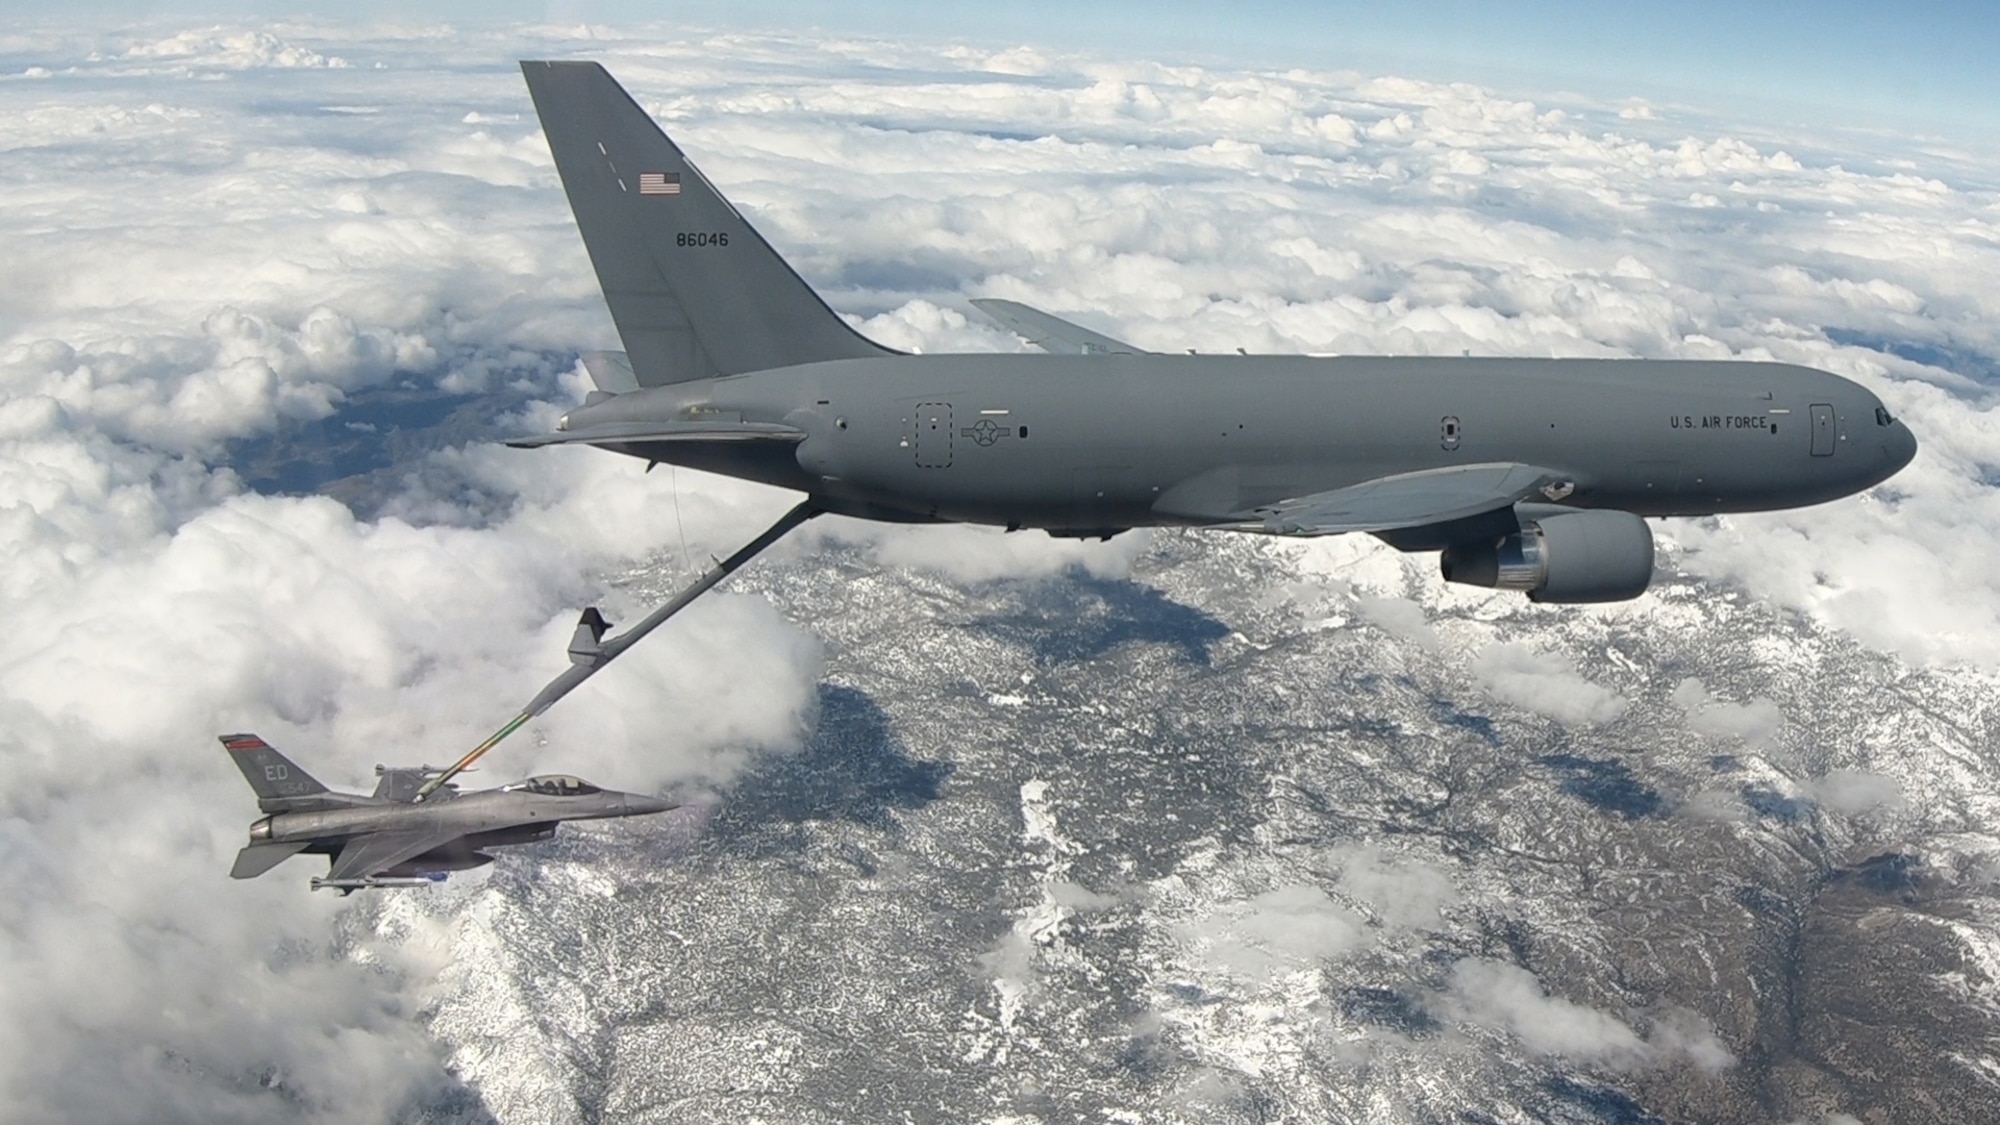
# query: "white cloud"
[[159, 604], [1544, 683], [190, 263], [1281, 930], [1715, 805], [1403, 893], [1508, 998], [232, 50], [1756, 722], [1400, 617], [1683, 1033], [1855, 791]]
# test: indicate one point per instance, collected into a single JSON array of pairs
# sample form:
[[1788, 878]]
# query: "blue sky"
[[1923, 65]]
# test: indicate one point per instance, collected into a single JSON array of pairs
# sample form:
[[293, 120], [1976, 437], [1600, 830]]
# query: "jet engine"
[[1568, 558]]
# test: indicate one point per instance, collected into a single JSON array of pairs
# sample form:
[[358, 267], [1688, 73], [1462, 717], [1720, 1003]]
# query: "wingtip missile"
[[377, 882]]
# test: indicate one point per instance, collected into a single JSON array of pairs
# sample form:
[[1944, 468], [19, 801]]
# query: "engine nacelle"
[[1584, 556]]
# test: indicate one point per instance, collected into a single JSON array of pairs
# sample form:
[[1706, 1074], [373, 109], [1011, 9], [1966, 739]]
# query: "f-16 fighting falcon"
[[386, 839], [1525, 474]]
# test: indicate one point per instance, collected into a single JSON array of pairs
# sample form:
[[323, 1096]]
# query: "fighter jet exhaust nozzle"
[[261, 830], [1575, 557]]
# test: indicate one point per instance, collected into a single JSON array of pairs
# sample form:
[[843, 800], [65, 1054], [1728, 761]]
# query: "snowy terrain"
[[982, 827]]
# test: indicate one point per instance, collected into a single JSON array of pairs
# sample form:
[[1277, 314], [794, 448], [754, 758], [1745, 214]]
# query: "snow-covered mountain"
[[1204, 828], [1270, 831]]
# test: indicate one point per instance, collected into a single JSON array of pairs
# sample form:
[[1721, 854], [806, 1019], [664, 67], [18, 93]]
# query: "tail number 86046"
[[701, 238]]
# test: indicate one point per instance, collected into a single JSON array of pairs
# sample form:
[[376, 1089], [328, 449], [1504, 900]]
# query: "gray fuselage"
[[463, 822], [1089, 443]]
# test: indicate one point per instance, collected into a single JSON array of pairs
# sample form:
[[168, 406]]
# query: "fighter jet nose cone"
[[636, 805]]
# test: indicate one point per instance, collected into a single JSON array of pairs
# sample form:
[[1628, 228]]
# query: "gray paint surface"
[[386, 838], [769, 385]]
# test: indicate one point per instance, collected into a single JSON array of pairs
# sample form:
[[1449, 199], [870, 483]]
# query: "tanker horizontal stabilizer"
[[628, 433]]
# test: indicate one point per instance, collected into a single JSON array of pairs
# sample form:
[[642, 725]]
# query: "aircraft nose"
[[638, 805], [1899, 446]]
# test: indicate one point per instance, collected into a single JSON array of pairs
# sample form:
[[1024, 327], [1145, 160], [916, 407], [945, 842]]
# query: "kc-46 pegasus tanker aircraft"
[[1527, 474]]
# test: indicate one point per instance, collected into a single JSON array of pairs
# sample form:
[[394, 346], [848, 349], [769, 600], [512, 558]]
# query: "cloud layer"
[[215, 232]]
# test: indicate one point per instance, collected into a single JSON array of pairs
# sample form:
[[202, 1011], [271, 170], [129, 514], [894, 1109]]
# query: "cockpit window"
[[1882, 416], [555, 785]]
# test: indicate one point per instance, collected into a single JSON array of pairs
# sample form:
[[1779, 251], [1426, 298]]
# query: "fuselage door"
[[1823, 435], [933, 440]]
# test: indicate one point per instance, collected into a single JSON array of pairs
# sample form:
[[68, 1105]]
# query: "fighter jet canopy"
[[553, 785]]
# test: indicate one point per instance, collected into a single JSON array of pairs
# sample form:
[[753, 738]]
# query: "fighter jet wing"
[[1050, 333], [625, 433], [379, 851], [1412, 499]]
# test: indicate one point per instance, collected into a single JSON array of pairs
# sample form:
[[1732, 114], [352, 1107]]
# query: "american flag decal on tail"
[[659, 183]]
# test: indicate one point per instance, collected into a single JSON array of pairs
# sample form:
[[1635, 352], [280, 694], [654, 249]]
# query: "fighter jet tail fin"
[[280, 784], [695, 291], [259, 858]]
